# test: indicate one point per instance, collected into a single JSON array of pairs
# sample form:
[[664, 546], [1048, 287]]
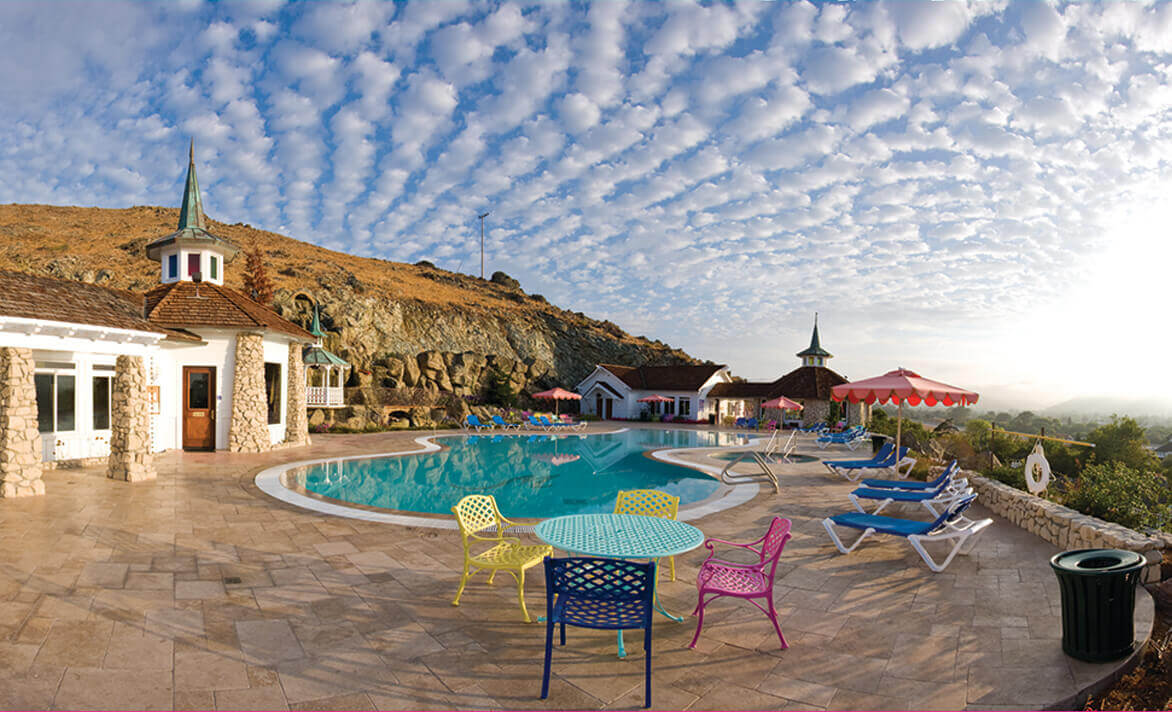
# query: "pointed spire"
[[191, 210], [814, 351], [315, 327]]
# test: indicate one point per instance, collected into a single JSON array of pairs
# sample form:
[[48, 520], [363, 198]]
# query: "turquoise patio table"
[[620, 536]]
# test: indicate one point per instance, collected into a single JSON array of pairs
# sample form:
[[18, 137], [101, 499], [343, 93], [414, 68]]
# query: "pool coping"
[[272, 481]]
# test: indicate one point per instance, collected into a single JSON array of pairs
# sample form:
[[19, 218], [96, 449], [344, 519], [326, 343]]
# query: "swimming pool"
[[532, 476]]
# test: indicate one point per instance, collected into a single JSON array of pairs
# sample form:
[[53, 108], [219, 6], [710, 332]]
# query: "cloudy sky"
[[975, 191]]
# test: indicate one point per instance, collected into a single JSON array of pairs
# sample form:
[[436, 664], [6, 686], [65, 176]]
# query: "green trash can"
[[1098, 601]]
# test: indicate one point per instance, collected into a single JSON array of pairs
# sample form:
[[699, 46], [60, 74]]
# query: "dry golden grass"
[[69, 241]]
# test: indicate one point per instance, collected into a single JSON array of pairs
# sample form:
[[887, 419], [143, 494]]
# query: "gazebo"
[[325, 372]]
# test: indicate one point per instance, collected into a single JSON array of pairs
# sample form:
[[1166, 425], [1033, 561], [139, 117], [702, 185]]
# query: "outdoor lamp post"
[[482, 217]]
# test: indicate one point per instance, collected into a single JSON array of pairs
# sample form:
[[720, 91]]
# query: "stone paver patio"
[[198, 591]]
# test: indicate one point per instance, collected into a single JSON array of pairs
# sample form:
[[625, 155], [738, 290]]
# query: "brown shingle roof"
[[813, 382], [664, 378], [809, 382], [182, 305], [741, 389], [34, 297]]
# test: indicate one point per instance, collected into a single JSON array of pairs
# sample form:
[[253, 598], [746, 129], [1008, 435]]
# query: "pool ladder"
[[767, 474]]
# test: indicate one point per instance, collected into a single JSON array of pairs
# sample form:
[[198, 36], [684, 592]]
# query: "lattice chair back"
[[475, 513], [773, 543], [648, 503], [608, 591]]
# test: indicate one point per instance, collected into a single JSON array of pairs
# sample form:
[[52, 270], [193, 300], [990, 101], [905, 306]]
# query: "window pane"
[[197, 390], [213, 268], [101, 402], [273, 391], [192, 263], [65, 403], [173, 266], [44, 382]]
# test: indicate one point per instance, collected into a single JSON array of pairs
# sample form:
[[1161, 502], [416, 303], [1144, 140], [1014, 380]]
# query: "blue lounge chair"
[[913, 485], [815, 428], [853, 470], [533, 421], [501, 422], [851, 438], [553, 424], [751, 423], [739, 423], [951, 525], [471, 422], [934, 499]]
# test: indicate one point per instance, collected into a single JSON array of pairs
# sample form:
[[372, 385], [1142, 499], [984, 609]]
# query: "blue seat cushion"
[[884, 525]]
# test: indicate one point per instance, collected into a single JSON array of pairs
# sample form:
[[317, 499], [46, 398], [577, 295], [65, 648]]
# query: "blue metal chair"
[[604, 594]]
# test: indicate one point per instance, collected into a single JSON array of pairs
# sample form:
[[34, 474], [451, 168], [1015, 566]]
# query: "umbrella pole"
[[898, 433]]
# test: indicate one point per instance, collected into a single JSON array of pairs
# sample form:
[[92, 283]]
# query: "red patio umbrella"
[[557, 394], [655, 399], [899, 386]]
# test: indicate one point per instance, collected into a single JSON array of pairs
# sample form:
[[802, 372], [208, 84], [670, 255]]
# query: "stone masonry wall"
[[248, 430], [815, 411], [296, 416], [1065, 527], [20, 443], [130, 427]]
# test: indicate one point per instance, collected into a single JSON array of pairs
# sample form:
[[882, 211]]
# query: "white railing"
[[324, 397]]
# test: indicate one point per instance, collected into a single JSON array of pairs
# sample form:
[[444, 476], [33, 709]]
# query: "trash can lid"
[[1096, 561]]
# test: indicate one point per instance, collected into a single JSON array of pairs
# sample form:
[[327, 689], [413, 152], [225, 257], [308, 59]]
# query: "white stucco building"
[[613, 391], [191, 364]]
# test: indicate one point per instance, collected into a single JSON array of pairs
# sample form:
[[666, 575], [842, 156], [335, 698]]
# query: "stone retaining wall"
[[20, 442], [1065, 527]]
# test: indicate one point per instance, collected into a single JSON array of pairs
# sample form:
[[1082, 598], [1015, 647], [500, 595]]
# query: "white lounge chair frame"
[[962, 530], [902, 470]]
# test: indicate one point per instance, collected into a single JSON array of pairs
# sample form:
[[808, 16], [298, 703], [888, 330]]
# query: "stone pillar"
[[296, 416], [249, 428], [130, 423], [815, 411], [20, 442]]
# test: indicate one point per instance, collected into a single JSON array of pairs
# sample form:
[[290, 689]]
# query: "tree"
[[256, 278], [499, 390], [1123, 440]]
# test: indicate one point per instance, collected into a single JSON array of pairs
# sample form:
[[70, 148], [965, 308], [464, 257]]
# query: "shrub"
[[1123, 440], [1132, 497], [1010, 475]]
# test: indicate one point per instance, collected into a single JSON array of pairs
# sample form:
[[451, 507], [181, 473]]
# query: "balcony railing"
[[324, 397]]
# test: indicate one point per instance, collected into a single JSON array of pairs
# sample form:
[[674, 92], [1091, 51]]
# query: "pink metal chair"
[[748, 581]]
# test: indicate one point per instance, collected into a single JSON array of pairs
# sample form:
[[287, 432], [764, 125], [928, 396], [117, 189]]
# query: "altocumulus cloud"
[[704, 173]]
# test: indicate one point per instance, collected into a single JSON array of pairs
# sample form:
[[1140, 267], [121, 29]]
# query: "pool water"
[[531, 476]]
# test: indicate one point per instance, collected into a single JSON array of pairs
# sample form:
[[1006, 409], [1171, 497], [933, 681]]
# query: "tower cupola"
[[814, 354], [191, 253]]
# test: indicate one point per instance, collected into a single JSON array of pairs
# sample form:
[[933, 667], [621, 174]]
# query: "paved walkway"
[[199, 591]]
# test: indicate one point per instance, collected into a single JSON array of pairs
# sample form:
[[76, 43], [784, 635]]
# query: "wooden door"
[[199, 408], [609, 408]]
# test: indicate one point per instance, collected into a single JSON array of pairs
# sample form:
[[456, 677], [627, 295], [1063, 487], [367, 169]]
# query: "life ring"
[[1037, 470]]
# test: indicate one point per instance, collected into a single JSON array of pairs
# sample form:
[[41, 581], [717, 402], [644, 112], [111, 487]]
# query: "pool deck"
[[198, 591]]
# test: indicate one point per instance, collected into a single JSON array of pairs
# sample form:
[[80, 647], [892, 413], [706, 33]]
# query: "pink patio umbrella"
[[899, 386], [782, 403], [557, 394], [655, 399]]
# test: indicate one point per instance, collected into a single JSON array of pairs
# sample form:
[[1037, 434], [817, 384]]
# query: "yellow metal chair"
[[477, 513], [649, 503]]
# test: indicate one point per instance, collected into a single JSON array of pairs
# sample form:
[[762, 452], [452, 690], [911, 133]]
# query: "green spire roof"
[[191, 210], [815, 347], [193, 224], [315, 327]]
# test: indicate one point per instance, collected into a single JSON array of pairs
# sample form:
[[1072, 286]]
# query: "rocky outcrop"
[[249, 429], [130, 426], [410, 344], [20, 442]]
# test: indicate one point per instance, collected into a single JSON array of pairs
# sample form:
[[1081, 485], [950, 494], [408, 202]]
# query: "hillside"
[[380, 314]]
